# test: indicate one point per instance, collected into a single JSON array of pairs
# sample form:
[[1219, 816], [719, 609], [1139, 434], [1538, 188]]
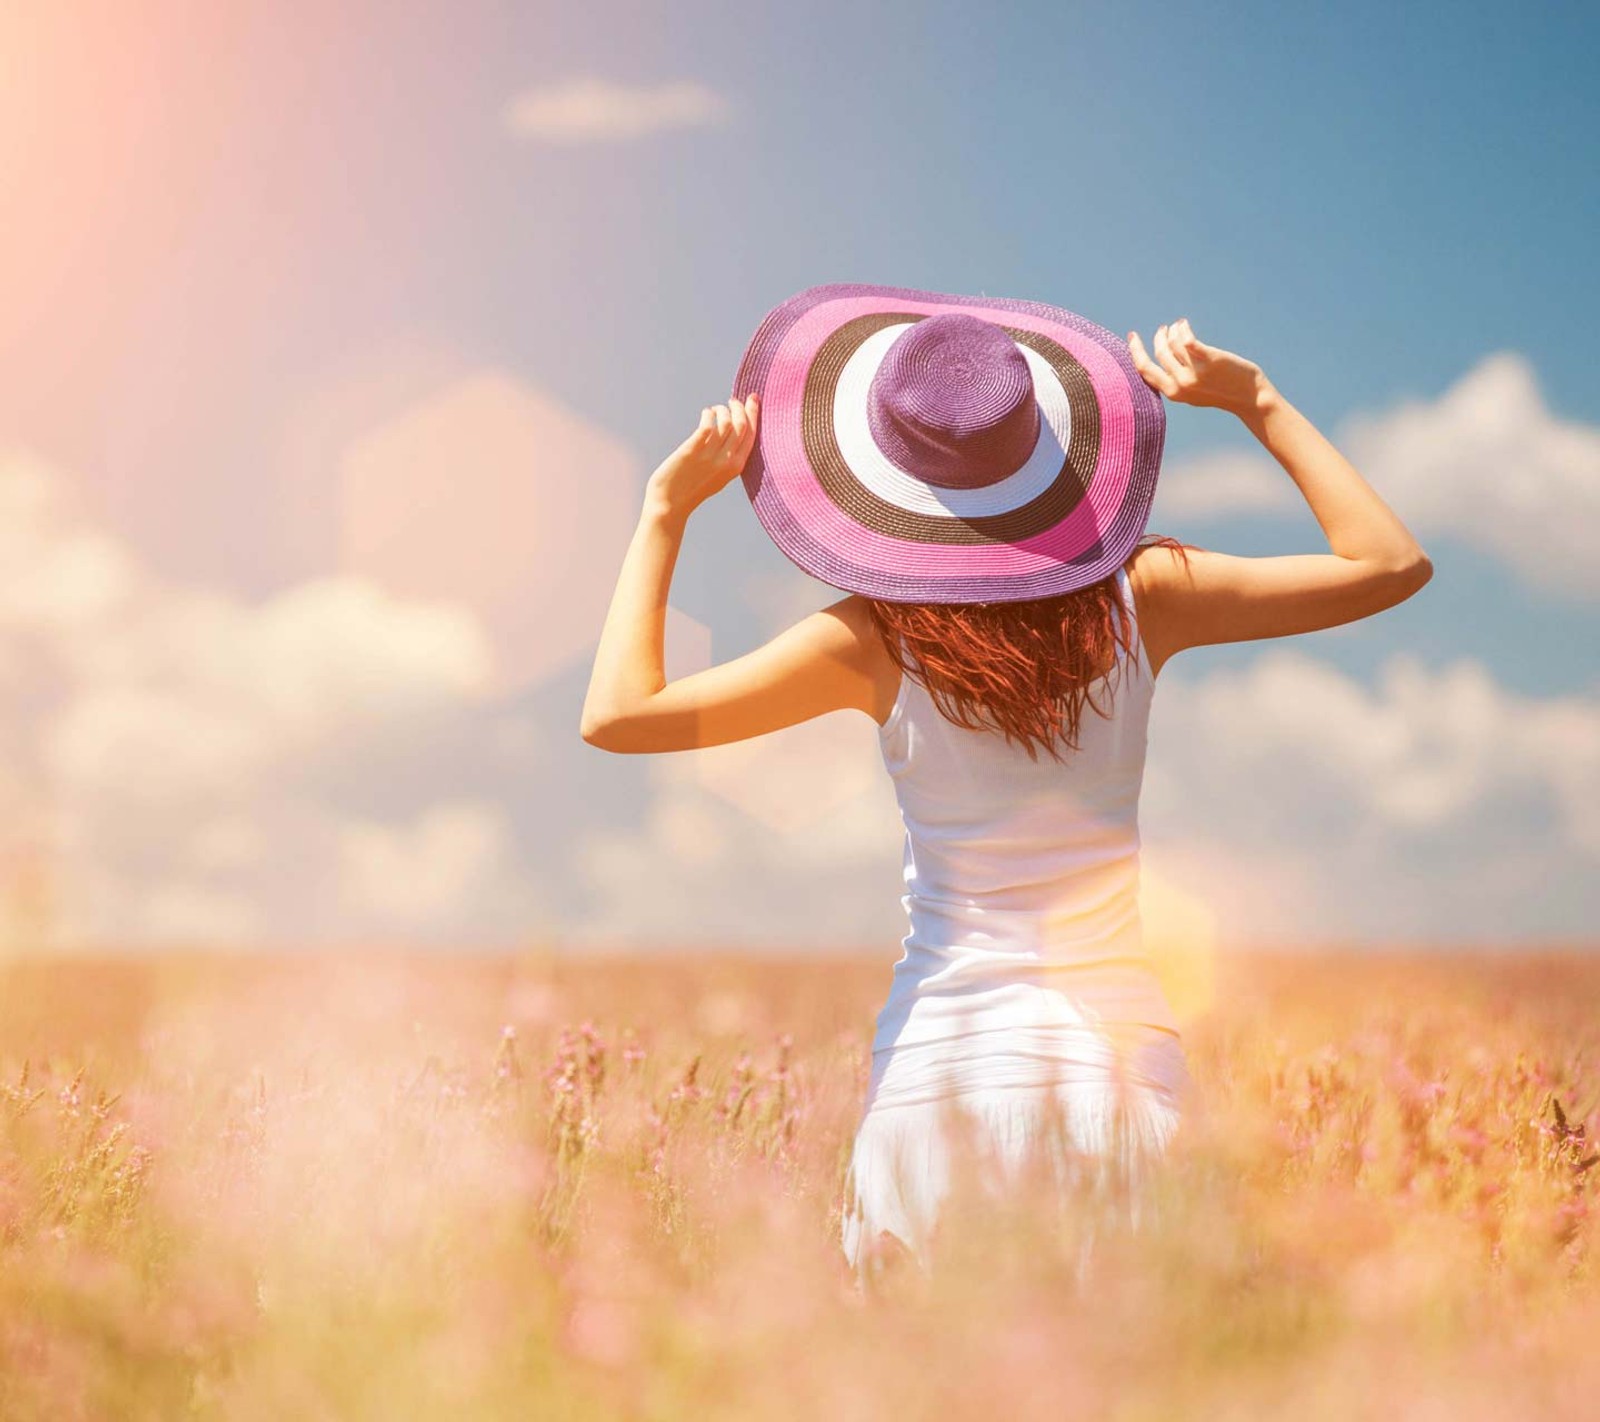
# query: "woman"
[[976, 473]]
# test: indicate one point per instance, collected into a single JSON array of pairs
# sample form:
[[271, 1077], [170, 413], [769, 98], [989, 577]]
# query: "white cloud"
[[179, 696], [419, 875], [1489, 463], [173, 749], [1223, 482], [189, 913], [585, 110], [1313, 804], [784, 839], [1486, 462]]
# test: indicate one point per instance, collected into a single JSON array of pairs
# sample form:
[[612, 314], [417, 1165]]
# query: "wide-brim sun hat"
[[915, 446]]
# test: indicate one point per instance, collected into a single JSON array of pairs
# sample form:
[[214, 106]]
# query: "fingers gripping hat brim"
[[843, 511]]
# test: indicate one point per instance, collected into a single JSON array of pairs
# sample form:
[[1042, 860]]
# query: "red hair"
[[1029, 665]]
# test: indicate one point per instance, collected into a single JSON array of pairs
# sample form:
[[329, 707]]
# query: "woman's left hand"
[[711, 458]]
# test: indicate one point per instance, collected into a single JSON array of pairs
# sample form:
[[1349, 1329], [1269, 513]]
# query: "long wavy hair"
[[1023, 669]]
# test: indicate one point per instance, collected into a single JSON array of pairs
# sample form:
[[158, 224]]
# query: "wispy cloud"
[[1434, 801], [1487, 462], [198, 769], [1220, 483], [590, 110]]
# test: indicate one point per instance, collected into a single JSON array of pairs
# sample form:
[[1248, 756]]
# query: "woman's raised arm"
[[823, 663], [1374, 561]]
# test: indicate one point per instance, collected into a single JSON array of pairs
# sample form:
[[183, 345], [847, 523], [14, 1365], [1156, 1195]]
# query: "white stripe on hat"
[[894, 485]]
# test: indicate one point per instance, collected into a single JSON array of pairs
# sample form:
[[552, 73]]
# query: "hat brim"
[[841, 510]]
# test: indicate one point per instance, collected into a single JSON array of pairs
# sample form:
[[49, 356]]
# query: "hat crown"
[[953, 402]]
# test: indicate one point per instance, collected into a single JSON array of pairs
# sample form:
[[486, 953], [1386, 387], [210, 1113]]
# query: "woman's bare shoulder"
[[1155, 570], [871, 654], [1155, 567]]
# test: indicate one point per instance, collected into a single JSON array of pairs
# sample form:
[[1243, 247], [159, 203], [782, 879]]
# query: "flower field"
[[386, 1186]]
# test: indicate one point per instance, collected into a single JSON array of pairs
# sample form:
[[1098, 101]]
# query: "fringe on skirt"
[[1099, 1103]]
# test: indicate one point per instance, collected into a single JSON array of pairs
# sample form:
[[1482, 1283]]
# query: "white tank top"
[[1022, 876]]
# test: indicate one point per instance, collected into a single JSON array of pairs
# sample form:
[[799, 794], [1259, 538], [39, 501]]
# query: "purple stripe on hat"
[[953, 401]]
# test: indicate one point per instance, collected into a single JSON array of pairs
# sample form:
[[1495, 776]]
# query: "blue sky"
[[244, 245]]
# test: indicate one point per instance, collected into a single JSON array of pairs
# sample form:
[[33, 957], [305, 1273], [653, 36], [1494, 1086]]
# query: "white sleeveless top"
[[1022, 876]]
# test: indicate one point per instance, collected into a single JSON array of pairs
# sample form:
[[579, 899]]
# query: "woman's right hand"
[[1193, 373]]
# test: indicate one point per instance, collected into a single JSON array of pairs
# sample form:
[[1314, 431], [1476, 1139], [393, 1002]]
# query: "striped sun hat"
[[919, 447]]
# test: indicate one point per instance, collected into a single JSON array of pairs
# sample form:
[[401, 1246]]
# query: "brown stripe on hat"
[[839, 482]]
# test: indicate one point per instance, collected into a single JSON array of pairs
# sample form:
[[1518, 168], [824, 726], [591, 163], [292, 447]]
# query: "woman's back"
[[1021, 874]]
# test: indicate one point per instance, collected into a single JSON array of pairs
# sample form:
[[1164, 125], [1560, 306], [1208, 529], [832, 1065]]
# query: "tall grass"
[[411, 1187]]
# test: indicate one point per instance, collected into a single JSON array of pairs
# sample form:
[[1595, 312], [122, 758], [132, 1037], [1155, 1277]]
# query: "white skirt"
[[1107, 1096]]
